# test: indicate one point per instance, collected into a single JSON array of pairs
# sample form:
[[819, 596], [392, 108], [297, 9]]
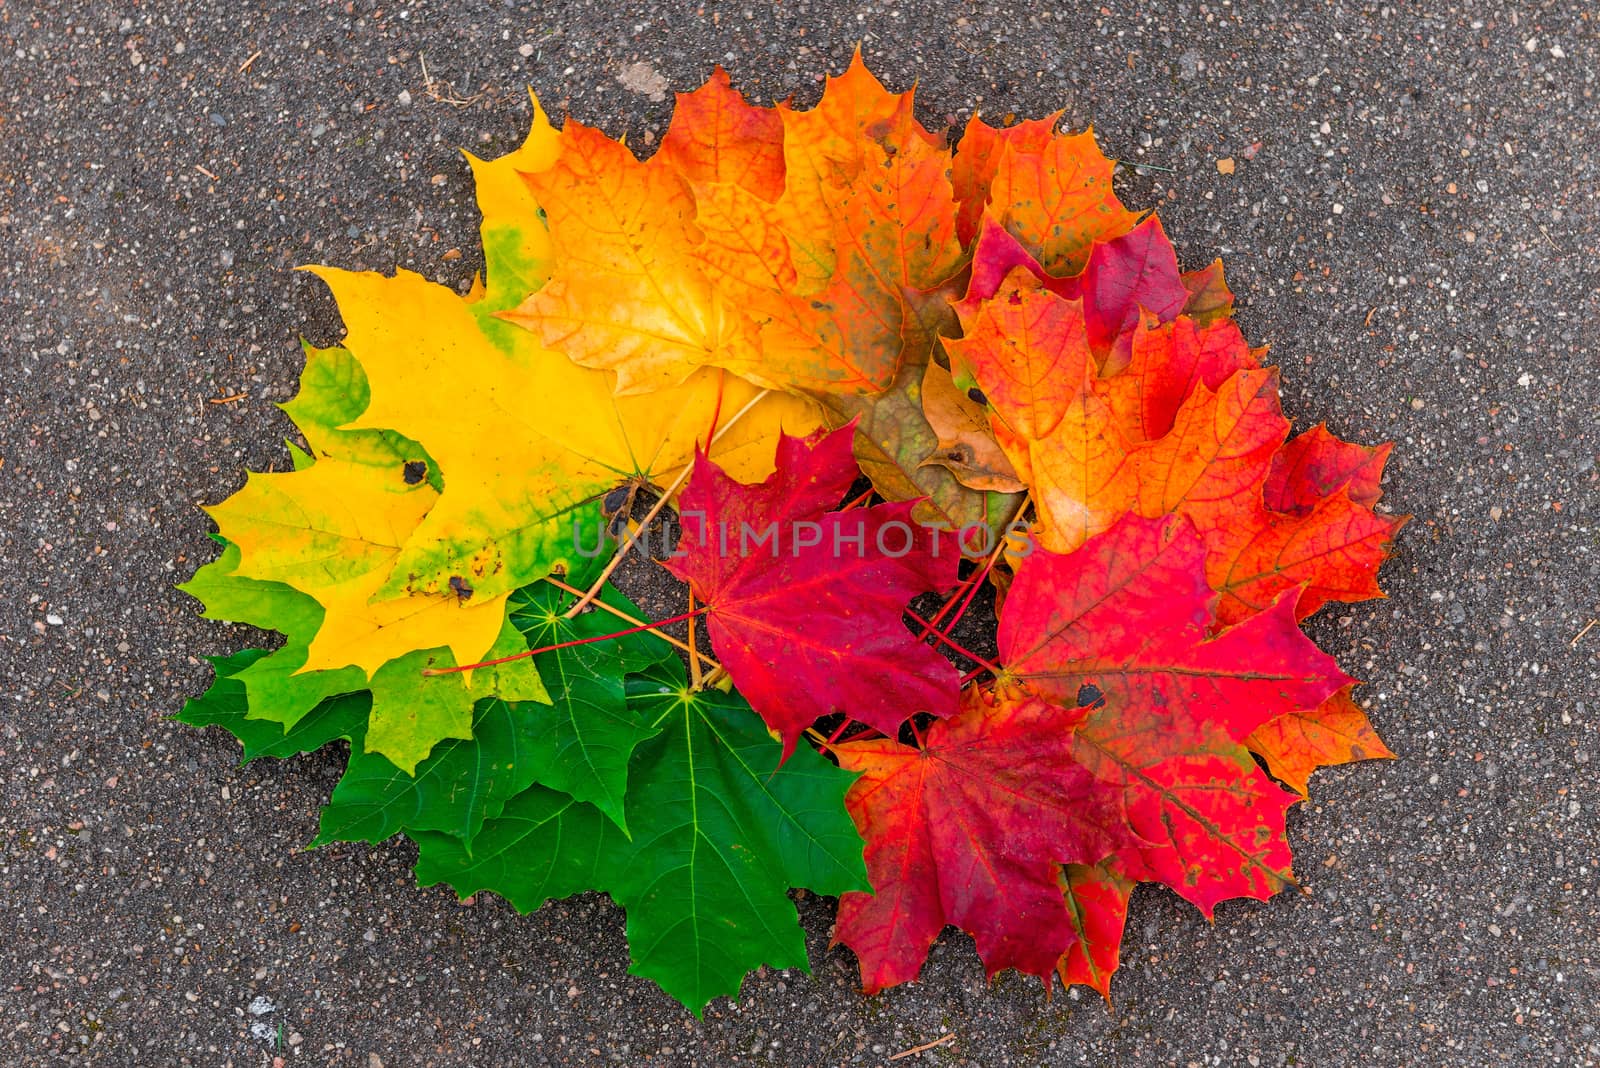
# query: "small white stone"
[[404, 98], [1338, 209], [525, 50], [54, 620]]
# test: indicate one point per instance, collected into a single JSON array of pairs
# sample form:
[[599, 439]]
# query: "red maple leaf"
[[1123, 625], [1119, 725], [971, 829], [805, 604]]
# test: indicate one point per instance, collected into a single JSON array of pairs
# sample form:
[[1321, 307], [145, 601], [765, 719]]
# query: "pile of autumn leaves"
[[776, 303]]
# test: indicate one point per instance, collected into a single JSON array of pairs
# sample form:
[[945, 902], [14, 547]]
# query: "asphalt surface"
[[1411, 223]]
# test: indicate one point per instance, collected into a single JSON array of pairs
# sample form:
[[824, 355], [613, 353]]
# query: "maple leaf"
[[523, 472], [305, 552], [332, 531], [901, 444], [722, 826], [971, 829], [1330, 554], [1122, 625], [582, 743], [632, 317], [524, 476], [833, 143], [414, 705], [804, 603], [333, 392]]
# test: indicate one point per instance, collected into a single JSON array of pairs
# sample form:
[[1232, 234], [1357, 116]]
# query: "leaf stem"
[[915, 733], [857, 501], [816, 736], [694, 654], [846, 725], [647, 628], [636, 535], [974, 673], [945, 639], [976, 578]]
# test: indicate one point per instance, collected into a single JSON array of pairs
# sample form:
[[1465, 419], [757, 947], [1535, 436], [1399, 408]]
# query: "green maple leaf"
[[225, 705], [721, 831], [582, 742]]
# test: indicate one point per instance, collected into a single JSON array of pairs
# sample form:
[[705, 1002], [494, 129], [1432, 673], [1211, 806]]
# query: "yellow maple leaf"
[[333, 531], [527, 441]]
